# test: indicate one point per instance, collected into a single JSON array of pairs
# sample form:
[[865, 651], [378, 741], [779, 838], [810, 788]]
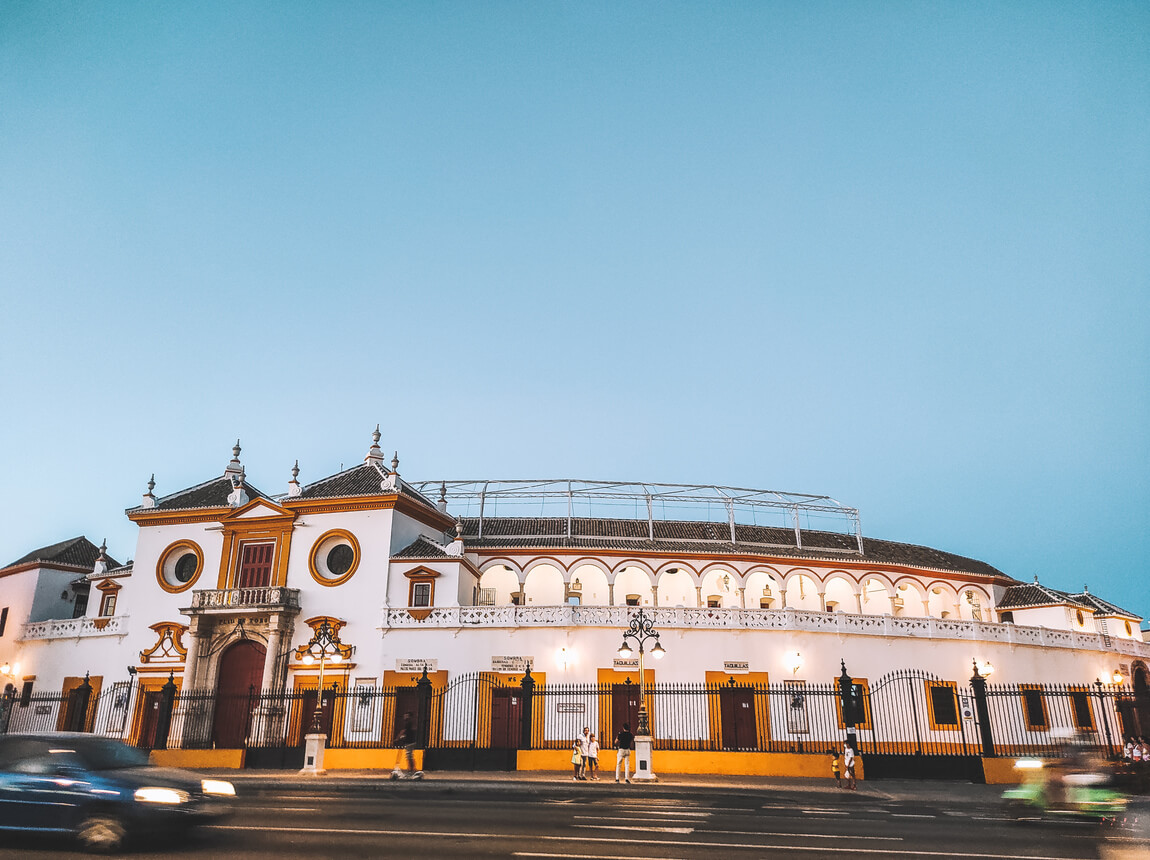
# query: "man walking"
[[407, 740], [624, 743]]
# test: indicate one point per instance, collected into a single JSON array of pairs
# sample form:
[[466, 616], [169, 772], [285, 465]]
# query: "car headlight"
[[161, 795], [218, 786]]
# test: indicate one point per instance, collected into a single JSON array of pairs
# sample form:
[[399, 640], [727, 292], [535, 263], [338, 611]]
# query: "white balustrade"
[[75, 628], [712, 618]]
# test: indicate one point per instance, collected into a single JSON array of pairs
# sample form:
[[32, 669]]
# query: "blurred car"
[[99, 789]]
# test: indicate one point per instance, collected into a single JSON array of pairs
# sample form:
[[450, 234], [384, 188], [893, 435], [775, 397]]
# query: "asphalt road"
[[417, 821]]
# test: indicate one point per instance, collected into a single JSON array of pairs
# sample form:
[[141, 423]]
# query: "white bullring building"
[[228, 581]]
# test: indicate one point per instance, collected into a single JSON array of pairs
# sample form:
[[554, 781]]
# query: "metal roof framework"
[[739, 505]]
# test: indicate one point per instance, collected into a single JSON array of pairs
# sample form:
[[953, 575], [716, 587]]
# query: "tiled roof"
[[422, 547], [696, 537], [210, 494], [361, 480], [1031, 594], [1102, 607], [78, 552]]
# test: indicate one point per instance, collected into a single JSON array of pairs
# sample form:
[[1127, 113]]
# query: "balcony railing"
[[706, 618], [75, 628], [268, 597]]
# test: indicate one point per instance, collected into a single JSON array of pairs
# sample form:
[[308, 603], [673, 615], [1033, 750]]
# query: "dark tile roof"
[[421, 547], [696, 537], [1030, 594], [361, 480], [1102, 607], [78, 552], [210, 494]]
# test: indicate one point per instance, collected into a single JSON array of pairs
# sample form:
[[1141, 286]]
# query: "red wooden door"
[[506, 715], [238, 689], [737, 715], [256, 566], [625, 708]]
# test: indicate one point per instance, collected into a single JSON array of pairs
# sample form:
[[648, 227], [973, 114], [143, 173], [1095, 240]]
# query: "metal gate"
[[477, 722], [919, 726]]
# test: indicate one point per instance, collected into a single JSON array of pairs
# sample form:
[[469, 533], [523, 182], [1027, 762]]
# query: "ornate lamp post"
[[323, 647], [642, 630]]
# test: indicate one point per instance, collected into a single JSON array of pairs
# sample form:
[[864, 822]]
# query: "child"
[[836, 771], [577, 759], [593, 757]]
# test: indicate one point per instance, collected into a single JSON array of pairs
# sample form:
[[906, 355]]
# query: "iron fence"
[[902, 713]]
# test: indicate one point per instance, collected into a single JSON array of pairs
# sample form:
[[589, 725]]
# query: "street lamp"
[[642, 630], [323, 647]]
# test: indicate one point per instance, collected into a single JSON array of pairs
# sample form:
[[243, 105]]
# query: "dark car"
[[99, 789]]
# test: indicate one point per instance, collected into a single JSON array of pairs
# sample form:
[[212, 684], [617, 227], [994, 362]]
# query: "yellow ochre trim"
[[167, 554], [674, 761], [313, 568]]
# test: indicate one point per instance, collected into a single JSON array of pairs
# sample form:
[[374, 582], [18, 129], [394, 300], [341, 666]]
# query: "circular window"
[[334, 557], [180, 566]]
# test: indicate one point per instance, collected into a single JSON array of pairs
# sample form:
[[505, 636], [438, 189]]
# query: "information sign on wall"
[[736, 666], [630, 663], [416, 665], [509, 664]]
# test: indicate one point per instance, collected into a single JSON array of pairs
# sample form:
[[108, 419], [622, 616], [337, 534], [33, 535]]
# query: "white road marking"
[[666, 814], [752, 846], [276, 809], [681, 830], [910, 815]]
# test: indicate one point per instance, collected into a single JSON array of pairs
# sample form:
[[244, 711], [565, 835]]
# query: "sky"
[[893, 253]]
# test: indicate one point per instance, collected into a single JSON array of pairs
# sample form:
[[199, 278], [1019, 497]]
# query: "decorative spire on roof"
[[456, 546], [1036, 579], [392, 483], [235, 469], [294, 488], [443, 497], [101, 565], [375, 453], [149, 499], [238, 496]]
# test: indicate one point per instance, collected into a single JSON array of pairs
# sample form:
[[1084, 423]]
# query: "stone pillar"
[[192, 658], [822, 601], [610, 594], [858, 602], [654, 595], [698, 595], [742, 598], [271, 658], [782, 598]]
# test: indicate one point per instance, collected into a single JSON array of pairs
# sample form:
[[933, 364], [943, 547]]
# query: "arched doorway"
[[238, 689]]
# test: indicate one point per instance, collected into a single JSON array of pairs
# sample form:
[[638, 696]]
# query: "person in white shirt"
[[849, 764], [593, 757]]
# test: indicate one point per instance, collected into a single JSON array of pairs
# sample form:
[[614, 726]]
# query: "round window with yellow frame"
[[334, 557], [180, 565]]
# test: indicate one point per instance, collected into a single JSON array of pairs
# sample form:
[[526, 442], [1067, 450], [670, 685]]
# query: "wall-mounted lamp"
[[1116, 677], [564, 657], [985, 668], [793, 660]]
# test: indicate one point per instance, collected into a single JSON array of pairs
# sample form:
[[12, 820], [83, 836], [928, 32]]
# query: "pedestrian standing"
[[836, 768], [577, 760], [584, 743], [849, 764], [593, 757], [624, 743]]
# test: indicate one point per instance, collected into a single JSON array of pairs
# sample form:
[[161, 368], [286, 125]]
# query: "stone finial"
[[101, 565], [238, 496], [294, 489], [458, 529], [375, 453], [395, 463], [234, 468], [1036, 579], [1085, 589], [149, 499], [455, 548], [442, 505]]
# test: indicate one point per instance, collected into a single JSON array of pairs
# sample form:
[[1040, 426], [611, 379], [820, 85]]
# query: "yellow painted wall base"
[[671, 761], [354, 759], [198, 759], [1000, 771]]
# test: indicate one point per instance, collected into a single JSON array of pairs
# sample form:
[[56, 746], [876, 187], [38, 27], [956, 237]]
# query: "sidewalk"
[[805, 790]]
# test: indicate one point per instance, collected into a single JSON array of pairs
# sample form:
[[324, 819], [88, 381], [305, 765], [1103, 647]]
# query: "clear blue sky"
[[895, 253]]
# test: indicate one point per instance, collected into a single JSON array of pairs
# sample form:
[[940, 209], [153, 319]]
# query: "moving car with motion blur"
[[100, 790]]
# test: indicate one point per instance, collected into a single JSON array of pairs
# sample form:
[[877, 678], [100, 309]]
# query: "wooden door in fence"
[[506, 717], [737, 716], [241, 670], [625, 708]]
